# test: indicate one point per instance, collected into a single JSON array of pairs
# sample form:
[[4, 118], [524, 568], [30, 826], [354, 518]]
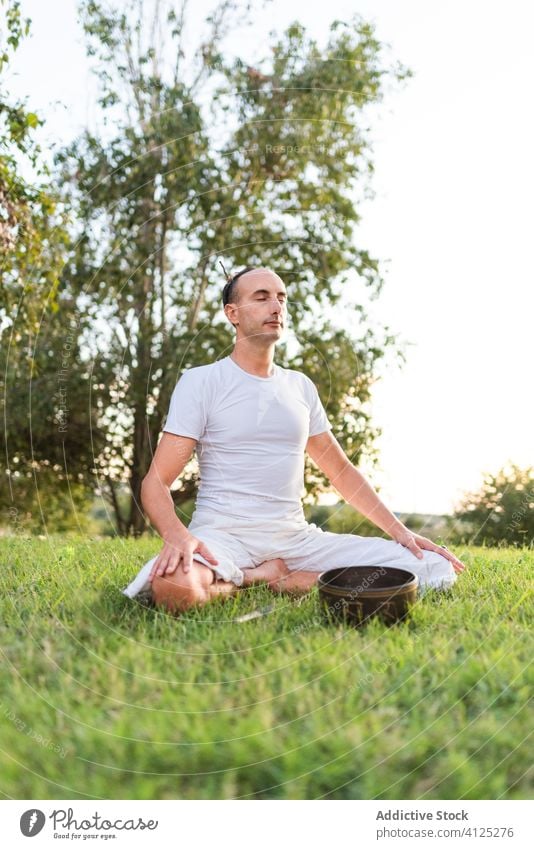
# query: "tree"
[[32, 227], [51, 432], [502, 510], [269, 174]]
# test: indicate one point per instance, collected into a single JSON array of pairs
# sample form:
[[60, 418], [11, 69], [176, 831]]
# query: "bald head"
[[256, 277], [258, 293], [231, 291]]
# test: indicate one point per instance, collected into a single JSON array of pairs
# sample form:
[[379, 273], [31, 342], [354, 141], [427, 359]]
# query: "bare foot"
[[266, 573], [295, 583]]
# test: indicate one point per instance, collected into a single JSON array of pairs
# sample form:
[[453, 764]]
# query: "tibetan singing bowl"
[[356, 593]]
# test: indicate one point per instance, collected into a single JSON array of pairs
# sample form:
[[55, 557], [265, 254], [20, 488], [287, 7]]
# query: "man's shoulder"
[[200, 377], [297, 376], [202, 372]]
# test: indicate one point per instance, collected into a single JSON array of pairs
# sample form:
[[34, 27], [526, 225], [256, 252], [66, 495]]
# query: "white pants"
[[302, 546]]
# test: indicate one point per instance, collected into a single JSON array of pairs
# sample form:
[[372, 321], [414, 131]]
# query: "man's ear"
[[228, 317]]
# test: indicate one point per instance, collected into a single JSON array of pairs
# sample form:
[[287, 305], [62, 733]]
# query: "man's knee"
[[181, 590]]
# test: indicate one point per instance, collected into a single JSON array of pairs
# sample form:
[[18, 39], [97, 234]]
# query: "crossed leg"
[[294, 583], [180, 590], [279, 578]]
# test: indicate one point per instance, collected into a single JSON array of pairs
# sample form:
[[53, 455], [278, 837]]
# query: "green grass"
[[104, 698]]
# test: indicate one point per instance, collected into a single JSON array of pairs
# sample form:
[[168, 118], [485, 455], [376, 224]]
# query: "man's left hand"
[[415, 543]]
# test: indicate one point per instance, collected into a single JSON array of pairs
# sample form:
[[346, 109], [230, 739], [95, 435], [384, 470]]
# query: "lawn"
[[102, 697]]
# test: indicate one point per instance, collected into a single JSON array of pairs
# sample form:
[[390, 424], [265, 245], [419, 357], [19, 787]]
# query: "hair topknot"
[[228, 290]]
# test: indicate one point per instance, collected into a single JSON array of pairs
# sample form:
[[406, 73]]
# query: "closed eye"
[[282, 300]]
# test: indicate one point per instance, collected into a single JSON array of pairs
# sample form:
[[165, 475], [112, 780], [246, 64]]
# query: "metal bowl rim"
[[411, 583]]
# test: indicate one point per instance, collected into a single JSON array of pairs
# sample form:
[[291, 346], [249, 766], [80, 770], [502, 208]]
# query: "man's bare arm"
[[168, 463], [170, 458], [327, 453]]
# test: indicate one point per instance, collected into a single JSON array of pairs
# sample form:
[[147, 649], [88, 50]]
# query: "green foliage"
[[51, 432], [33, 238], [200, 706], [15, 28], [33, 235], [46, 501], [502, 510]]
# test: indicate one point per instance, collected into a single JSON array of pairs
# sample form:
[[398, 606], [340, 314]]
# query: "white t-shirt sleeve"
[[187, 409], [318, 419]]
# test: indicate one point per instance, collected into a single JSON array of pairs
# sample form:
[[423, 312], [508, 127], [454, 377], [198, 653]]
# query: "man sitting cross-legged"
[[251, 422]]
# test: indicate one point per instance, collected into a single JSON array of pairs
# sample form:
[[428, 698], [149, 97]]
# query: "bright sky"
[[451, 219]]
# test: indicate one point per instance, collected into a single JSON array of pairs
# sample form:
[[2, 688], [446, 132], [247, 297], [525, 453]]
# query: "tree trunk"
[[119, 518], [153, 239], [141, 457], [141, 461], [142, 447]]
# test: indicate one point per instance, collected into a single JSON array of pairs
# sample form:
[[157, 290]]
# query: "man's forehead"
[[261, 278]]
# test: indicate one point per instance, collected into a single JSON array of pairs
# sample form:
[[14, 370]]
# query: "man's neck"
[[256, 362]]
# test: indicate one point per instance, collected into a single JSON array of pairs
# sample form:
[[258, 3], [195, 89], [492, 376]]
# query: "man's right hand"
[[180, 549]]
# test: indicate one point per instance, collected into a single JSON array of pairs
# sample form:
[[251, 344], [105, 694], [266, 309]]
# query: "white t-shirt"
[[251, 436]]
